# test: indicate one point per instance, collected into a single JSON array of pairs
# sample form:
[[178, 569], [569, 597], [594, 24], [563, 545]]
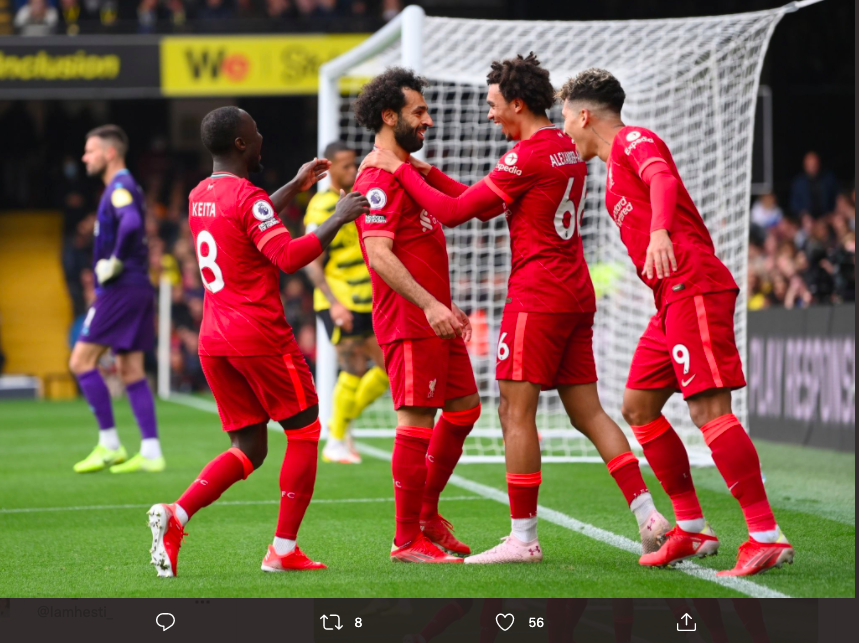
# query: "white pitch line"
[[315, 501], [740, 585]]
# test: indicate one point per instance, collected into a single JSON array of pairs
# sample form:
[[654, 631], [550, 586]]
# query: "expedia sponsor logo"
[[622, 208], [565, 158], [44, 66], [203, 210], [507, 168], [637, 142]]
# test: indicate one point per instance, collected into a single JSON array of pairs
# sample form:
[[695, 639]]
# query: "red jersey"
[[627, 198], [542, 183], [419, 244], [231, 220]]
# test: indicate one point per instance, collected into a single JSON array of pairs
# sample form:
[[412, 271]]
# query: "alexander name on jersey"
[[508, 164]]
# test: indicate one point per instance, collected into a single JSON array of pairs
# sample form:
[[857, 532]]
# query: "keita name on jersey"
[[203, 210]]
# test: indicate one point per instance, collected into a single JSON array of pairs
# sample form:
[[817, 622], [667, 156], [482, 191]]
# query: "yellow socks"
[[343, 403], [372, 385]]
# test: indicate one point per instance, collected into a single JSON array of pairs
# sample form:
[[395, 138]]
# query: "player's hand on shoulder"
[[342, 316], [311, 173], [351, 206], [443, 320], [421, 166], [660, 255], [464, 320], [382, 159]]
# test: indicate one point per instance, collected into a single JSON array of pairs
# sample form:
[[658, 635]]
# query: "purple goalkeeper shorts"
[[123, 318]]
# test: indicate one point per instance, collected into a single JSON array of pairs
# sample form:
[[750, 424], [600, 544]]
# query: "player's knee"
[[79, 363], [632, 415], [301, 420], [257, 455]]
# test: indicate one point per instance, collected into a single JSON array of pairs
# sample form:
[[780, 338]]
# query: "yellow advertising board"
[[248, 65]]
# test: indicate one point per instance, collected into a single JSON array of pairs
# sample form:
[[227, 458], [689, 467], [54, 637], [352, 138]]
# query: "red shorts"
[[690, 346], [549, 349], [428, 371], [250, 390]]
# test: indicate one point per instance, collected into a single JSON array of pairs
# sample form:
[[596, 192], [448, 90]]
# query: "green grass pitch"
[[74, 535]]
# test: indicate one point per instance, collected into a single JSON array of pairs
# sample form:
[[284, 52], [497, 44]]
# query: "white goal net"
[[694, 81]]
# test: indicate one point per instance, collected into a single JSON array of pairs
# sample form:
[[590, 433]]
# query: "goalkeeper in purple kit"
[[123, 315]]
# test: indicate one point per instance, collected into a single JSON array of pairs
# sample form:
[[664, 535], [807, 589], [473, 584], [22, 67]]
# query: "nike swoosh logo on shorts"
[[686, 383]]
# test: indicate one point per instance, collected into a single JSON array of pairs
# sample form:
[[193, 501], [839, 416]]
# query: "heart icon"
[[504, 621]]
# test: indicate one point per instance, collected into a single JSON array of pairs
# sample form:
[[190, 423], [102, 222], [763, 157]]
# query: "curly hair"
[[594, 86], [385, 91], [523, 78], [220, 128]]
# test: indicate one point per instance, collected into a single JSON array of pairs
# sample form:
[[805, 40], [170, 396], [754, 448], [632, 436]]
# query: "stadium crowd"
[[808, 254], [46, 17]]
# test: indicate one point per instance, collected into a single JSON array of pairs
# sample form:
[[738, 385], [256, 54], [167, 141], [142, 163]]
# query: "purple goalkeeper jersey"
[[120, 231]]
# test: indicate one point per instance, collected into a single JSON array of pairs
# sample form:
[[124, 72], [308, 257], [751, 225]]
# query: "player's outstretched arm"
[[290, 254], [381, 257], [308, 175], [478, 201], [438, 179]]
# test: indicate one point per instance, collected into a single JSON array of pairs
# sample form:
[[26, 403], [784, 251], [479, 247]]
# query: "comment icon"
[[165, 621]]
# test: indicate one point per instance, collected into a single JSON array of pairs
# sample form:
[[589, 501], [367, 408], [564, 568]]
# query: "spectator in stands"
[[77, 257], [813, 192], [37, 18], [71, 14], [765, 212], [216, 10], [390, 8], [148, 14], [247, 10], [278, 9]]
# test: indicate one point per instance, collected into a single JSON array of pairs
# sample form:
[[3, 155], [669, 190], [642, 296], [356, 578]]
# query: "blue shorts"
[[123, 318]]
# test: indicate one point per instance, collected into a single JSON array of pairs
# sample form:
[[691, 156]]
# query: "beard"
[[97, 173], [407, 137]]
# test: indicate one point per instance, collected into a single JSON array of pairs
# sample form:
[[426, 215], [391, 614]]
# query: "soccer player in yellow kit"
[[343, 300]]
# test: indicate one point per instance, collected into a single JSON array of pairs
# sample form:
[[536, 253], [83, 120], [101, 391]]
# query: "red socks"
[[297, 478], [523, 489], [409, 468], [737, 460], [445, 449], [627, 474], [667, 456], [215, 478]]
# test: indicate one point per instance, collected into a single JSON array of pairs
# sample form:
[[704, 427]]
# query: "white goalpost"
[[692, 80]]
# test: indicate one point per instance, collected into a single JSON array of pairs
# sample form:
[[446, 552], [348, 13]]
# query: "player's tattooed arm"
[[308, 175], [382, 259]]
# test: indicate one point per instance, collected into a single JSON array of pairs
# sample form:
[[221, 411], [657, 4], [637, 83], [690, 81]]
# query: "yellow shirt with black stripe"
[[345, 270]]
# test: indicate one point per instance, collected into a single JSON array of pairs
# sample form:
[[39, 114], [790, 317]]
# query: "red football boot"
[[167, 537], [681, 545], [296, 560], [754, 557], [421, 550], [440, 532]]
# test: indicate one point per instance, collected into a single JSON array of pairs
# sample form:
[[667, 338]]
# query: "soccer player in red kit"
[[419, 329], [547, 328], [689, 344], [247, 350]]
